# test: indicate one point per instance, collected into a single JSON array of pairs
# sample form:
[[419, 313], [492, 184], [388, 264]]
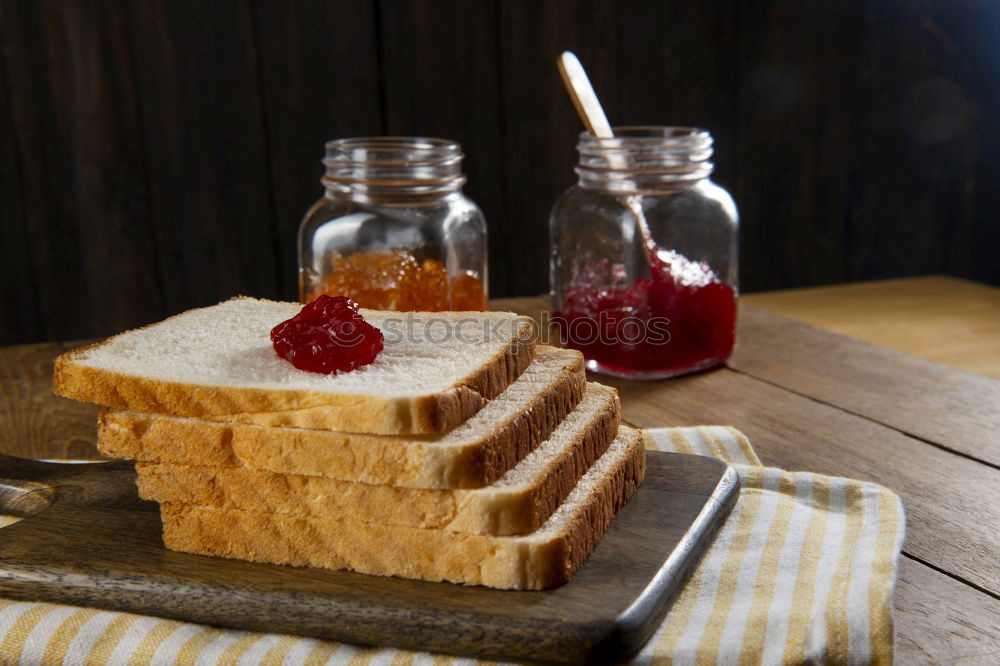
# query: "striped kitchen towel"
[[802, 571]]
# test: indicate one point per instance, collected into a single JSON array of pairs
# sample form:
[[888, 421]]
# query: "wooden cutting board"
[[88, 540]]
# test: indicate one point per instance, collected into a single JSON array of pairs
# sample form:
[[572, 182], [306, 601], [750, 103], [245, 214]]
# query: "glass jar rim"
[[631, 137], [393, 151], [393, 168], [645, 158]]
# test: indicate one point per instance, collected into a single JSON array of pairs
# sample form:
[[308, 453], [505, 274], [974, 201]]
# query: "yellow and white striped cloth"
[[802, 571]]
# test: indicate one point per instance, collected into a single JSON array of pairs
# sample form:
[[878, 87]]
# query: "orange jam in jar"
[[397, 281], [393, 230]]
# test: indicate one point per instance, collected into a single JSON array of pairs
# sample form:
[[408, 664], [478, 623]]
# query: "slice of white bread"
[[475, 454], [544, 558], [519, 502], [436, 370]]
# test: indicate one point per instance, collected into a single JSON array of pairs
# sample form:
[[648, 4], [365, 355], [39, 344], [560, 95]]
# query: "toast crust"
[[498, 510], [375, 459], [543, 559], [425, 414]]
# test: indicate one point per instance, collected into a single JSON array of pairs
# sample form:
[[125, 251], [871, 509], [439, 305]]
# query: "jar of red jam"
[[393, 230], [644, 255]]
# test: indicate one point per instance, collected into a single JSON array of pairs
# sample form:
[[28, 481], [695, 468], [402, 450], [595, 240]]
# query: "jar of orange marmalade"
[[393, 230]]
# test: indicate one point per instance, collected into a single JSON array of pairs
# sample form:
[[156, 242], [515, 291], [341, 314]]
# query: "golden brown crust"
[[606, 501], [528, 562], [499, 511], [546, 498], [376, 459], [508, 445], [457, 405], [298, 408]]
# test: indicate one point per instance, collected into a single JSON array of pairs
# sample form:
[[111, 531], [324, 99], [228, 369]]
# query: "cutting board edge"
[[634, 627]]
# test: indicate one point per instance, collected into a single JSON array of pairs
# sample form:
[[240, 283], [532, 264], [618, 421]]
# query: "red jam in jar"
[[645, 255], [680, 319]]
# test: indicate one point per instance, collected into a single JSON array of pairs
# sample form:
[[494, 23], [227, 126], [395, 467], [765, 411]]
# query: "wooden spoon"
[[584, 98], [596, 121]]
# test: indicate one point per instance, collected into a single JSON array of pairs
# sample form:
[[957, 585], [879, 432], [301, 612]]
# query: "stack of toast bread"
[[464, 453]]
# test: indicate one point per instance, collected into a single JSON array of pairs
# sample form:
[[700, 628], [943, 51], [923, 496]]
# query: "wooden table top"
[[940, 318], [808, 399]]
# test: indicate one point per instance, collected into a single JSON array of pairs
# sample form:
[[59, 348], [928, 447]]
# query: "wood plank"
[[18, 291], [84, 202], [907, 201], [950, 500], [848, 174], [967, 32], [541, 125], [954, 409], [938, 318], [948, 407], [787, 77], [452, 93], [34, 423], [201, 109], [884, 189], [671, 76], [940, 620], [925, 202], [320, 81]]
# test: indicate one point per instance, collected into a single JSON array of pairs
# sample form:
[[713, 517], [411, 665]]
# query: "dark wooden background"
[[158, 155]]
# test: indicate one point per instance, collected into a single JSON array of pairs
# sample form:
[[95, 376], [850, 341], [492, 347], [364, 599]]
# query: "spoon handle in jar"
[[581, 91], [583, 95]]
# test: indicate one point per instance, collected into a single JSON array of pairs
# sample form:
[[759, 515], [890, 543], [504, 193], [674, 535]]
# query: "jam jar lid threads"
[[393, 168], [644, 158]]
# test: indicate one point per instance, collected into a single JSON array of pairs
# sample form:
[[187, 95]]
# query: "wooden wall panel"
[[793, 197], [320, 81], [20, 319], [541, 126], [680, 65], [861, 136], [440, 76], [82, 202], [967, 33], [910, 170], [157, 156], [203, 128]]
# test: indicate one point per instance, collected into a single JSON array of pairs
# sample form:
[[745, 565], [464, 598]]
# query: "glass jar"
[[393, 230], [644, 255]]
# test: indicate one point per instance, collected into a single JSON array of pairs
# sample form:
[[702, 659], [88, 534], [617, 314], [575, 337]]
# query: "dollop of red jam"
[[328, 336], [680, 319]]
